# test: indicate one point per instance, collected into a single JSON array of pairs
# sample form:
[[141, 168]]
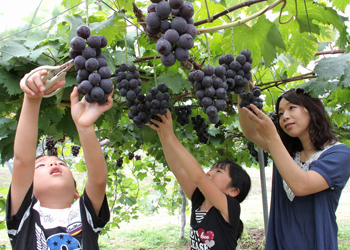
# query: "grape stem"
[[239, 22], [87, 13], [233, 8]]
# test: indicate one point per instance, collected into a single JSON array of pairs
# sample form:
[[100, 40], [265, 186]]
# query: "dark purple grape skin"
[[83, 31]]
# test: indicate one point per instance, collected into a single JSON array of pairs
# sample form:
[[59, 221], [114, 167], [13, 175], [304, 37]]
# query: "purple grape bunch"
[[211, 90], [251, 97], [93, 76], [237, 70], [174, 19]]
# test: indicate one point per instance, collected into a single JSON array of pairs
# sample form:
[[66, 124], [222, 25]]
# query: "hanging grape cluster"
[[237, 71], [211, 90], [120, 162], [255, 153], [183, 114], [75, 150], [50, 146], [274, 118], [251, 97], [201, 128], [93, 73], [174, 19]]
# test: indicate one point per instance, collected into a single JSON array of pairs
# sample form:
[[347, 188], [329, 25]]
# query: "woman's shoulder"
[[338, 147]]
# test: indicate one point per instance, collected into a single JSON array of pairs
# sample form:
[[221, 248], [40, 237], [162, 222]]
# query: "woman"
[[310, 171]]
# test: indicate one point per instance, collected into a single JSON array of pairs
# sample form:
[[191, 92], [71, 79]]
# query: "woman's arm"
[[300, 182]]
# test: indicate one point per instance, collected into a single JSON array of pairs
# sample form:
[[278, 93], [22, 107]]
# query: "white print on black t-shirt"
[[202, 240], [56, 241]]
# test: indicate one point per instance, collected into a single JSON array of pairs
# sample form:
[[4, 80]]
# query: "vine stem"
[[126, 47], [155, 73], [208, 48], [206, 5], [87, 12], [239, 22]]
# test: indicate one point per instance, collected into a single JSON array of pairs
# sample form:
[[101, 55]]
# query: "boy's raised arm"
[[26, 138], [195, 173], [84, 115]]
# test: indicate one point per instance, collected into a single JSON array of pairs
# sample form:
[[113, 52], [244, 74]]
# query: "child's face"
[[52, 173], [221, 178]]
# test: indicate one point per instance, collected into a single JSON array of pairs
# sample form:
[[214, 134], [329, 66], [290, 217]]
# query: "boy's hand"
[[165, 127], [35, 88], [85, 114]]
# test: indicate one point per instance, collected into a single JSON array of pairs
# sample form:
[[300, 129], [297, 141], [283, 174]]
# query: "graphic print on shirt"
[[201, 239], [57, 241]]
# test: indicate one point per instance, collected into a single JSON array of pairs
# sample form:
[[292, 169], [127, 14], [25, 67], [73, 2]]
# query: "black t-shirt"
[[214, 232], [36, 227]]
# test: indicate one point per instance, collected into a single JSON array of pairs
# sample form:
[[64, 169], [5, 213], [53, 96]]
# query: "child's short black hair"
[[239, 178]]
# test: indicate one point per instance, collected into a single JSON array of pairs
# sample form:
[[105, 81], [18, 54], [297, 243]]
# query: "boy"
[[41, 212]]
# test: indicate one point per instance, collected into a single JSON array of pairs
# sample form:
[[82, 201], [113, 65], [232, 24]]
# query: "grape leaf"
[[174, 82], [10, 82]]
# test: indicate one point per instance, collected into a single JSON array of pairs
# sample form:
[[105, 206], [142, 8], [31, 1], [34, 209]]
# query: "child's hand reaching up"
[[165, 127], [35, 88], [84, 114]]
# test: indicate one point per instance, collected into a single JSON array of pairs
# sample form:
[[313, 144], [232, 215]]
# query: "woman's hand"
[[85, 114], [35, 88], [263, 124]]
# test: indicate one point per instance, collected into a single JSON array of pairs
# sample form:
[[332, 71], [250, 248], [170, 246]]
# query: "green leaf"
[[16, 49], [10, 82], [174, 82], [339, 118]]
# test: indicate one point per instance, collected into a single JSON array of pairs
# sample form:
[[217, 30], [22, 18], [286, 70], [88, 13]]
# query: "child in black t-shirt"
[[41, 212], [215, 195]]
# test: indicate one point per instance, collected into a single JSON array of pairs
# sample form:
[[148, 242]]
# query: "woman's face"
[[294, 119]]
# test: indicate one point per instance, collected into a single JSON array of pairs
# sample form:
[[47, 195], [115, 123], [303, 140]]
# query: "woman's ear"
[[233, 192], [76, 195]]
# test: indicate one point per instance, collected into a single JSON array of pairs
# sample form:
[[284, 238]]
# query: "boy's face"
[[52, 173]]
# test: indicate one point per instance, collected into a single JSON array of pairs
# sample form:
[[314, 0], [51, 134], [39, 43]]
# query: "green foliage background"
[[287, 37]]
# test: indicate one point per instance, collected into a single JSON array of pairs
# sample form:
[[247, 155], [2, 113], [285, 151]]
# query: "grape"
[[163, 47], [168, 60], [151, 8], [181, 54], [164, 26], [103, 41], [176, 4], [101, 62], [75, 150], [73, 54], [83, 31], [255, 153], [192, 30], [106, 85], [179, 24], [153, 20], [228, 58], [246, 67], [79, 62], [172, 36], [246, 53], [131, 155], [220, 104], [94, 41], [89, 52], [91, 64], [84, 74], [201, 128], [94, 79], [163, 9], [186, 41], [97, 93], [105, 72], [213, 119], [251, 97], [77, 43], [49, 143], [120, 162], [187, 10], [212, 111], [209, 70], [183, 114], [241, 59]]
